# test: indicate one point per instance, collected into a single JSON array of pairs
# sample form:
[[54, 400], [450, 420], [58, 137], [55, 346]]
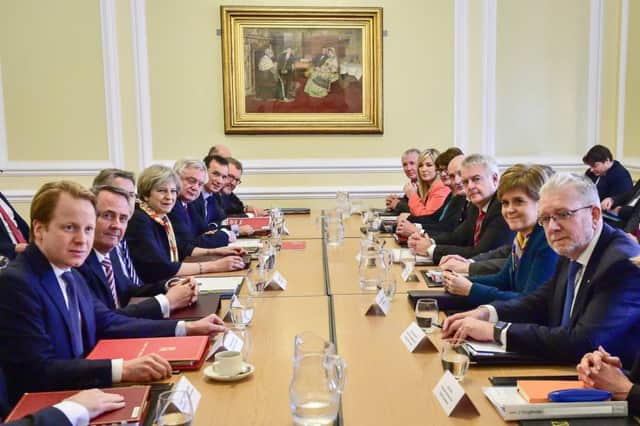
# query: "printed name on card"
[[416, 340], [278, 282], [452, 397], [229, 341]]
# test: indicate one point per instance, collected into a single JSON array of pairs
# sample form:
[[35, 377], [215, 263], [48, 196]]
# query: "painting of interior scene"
[[303, 70]]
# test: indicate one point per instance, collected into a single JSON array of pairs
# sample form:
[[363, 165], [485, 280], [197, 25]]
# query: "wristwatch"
[[498, 328]]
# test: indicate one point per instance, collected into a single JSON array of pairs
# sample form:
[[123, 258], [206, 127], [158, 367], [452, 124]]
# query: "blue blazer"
[[7, 247], [190, 229], [93, 273], [149, 248], [616, 181], [232, 205], [35, 334], [536, 266], [606, 310], [199, 207], [49, 416]]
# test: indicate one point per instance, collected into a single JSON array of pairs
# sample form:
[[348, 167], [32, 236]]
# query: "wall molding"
[[113, 113], [594, 91], [490, 24], [461, 75], [141, 80], [622, 78]]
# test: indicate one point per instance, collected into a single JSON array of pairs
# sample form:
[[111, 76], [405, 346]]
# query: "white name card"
[[278, 282], [415, 339], [185, 385], [408, 274], [451, 395], [380, 306], [228, 342]]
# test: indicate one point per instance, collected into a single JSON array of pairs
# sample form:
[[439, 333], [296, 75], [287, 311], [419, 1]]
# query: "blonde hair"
[[528, 178], [424, 186]]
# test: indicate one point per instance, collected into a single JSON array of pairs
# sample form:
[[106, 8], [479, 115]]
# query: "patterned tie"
[[108, 272], [476, 230], [74, 314], [574, 267], [123, 251], [12, 226]]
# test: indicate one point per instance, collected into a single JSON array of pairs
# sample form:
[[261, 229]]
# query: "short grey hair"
[[190, 163], [584, 187], [153, 176], [489, 163], [411, 151]]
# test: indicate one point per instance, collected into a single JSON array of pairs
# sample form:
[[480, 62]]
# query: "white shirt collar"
[[100, 256], [58, 271]]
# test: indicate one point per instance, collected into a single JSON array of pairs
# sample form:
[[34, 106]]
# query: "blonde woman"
[[428, 194]]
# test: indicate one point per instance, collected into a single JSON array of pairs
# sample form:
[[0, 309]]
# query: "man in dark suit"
[[484, 227], [232, 205], [287, 71], [14, 231], [592, 299], [190, 227], [394, 203], [104, 271], [623, 205], [48, 317]]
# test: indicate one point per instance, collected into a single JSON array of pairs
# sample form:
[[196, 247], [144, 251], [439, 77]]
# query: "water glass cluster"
[[276, 227], [375, 269]]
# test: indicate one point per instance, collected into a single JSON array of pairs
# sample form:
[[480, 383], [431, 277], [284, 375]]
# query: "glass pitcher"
[[307, 343], [372, 268], [314, 393]]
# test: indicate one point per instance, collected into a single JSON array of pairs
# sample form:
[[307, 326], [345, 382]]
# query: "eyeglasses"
[[234, 179], [561, 216]]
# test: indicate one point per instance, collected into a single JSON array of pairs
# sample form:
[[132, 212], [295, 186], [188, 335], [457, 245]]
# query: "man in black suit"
[[105, 273], [14, 231], [484, 227], [233, 206], [623, 205], [592, 299], [287, 70], [393, 202]]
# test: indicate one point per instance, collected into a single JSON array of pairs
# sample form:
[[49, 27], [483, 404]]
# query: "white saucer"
[[211, 373]]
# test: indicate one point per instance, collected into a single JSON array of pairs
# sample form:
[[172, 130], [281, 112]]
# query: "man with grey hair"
[[396, 204], [483, 228], [188, 225], [592, 299]]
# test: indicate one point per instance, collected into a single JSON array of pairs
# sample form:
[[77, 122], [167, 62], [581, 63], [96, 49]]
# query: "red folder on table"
[[256, 223], [135, 397], [183, 353]]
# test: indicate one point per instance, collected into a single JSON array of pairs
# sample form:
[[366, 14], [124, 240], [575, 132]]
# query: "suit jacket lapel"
[[96, 269]]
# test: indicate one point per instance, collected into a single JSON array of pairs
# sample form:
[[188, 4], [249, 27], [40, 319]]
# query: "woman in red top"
[[429, 193]]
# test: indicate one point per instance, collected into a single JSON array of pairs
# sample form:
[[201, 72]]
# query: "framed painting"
[[302, 70]]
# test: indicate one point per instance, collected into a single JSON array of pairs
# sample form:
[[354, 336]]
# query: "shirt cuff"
[[165, 306], [235, 228], [117, 365], [503, 337], [231, 235], [181, 329], [418, 227], [493, 315], [431, 249], [77, 414]]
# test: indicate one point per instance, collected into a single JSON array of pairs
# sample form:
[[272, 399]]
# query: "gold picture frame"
[[302, 70]]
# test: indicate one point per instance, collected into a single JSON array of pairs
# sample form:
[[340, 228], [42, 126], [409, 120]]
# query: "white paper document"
[[218, 284], [246, 242]]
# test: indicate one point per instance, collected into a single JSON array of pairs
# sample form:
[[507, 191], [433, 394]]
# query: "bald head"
[[220, 150], [454, 171]]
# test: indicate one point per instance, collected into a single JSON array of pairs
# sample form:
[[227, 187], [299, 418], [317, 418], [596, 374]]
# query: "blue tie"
[[574, 267], [74, 314], [123, 249]]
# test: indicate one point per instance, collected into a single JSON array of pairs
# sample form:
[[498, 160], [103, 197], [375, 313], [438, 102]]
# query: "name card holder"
[[278, 282], [452, 397], [234, 304], [416, 340], [380, 305], [408, 273], [228, 342], [187, 387]]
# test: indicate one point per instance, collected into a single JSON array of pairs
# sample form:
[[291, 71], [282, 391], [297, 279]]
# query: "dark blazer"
[[490, 261], [493, 233], [616, 181], [633, 223], [634, 394], [190, 228], [606, 310], [149, 248], [401, 207], [232, 205], [93, 273], [50, 416], [536, 266], [445, 219], [7, 247], [624, 198], [35, 336], [199, 207]]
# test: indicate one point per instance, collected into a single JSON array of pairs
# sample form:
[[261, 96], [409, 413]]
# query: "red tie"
[[12, 226], [476, 231]]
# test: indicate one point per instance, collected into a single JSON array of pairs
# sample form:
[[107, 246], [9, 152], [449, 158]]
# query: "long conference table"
[[386, 384]]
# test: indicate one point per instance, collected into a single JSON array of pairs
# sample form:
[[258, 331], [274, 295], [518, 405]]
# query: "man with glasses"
[[233, 206], [483, 229], [592, 299]]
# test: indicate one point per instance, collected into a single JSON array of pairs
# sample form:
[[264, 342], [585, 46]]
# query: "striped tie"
[[108, 271], [123, 251]]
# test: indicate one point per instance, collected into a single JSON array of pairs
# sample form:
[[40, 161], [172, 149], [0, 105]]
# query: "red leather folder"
[[256, 223], [135, 397], [183, 353]]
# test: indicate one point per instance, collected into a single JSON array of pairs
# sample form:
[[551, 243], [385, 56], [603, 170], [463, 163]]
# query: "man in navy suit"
[[14, 231], [48, 317], [592, 299], [232, 205], [190, 227], [105, 273]]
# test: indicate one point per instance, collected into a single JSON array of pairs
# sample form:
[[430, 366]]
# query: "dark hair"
[[597, 153], [445, 158], [217, 158], [107, 176], [236, 163], [112, 189]]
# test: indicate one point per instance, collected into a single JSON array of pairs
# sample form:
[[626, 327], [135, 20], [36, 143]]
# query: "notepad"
[[218, 284], [246, 242]]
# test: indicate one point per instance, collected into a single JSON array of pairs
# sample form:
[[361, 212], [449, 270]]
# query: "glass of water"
[[334, 229], [388, 285], [174, 409], [427, 314], [454, 359], [241, 311]]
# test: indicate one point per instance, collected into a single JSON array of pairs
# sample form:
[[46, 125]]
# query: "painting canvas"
[[302, 70]]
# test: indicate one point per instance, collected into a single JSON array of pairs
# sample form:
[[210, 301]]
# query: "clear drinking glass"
[[427, 314], [343, 204], [256, 280], [334, 229], [388, 285], [241, 311], [174, 409], [454, 359]]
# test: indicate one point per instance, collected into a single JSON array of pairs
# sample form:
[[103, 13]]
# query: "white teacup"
[[228, 363]]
